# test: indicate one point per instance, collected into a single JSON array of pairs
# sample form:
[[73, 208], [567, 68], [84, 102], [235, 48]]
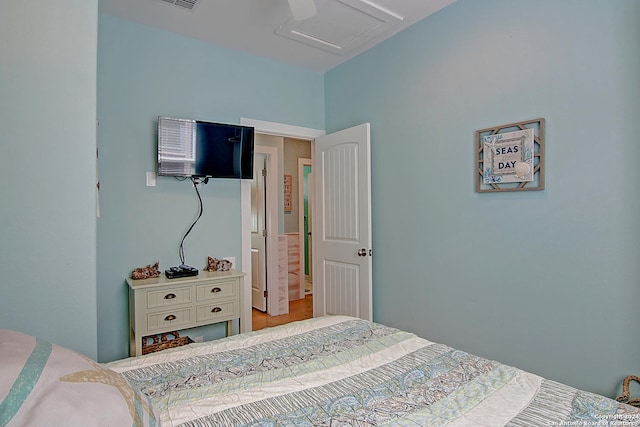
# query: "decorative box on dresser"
[[163, 305]]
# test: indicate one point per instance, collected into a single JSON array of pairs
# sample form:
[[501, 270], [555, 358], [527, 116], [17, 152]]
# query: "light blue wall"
[[549, 280], [47, 180], [544, 280], [144, 73]]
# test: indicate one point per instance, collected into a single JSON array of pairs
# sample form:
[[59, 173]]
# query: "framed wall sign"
[[510, 157], [288, 183]]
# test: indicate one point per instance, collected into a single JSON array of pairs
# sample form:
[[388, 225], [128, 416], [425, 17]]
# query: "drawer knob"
[[170, 317], [216, 290], [216, 310], [169, 296]]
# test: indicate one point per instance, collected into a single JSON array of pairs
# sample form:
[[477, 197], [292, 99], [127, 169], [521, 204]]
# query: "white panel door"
[[258, 239], [342, 280]]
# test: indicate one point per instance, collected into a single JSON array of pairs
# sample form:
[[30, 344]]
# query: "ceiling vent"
[[342, 25], [186, 4]]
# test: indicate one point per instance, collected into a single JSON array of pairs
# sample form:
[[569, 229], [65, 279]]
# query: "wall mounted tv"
[[193, 148]]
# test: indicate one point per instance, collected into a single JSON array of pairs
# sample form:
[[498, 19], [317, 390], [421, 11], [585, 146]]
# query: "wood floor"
[[298, 310]]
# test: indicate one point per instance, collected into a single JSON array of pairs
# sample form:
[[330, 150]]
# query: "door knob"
[[362, 252]]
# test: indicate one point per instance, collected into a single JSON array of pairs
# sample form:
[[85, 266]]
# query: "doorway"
[[268, 129], [259, 233], [264, 228], [305, 221], [289, 297], [347, 150]]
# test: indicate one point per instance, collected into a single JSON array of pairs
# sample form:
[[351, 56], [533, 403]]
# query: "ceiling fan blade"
[[302, 9]]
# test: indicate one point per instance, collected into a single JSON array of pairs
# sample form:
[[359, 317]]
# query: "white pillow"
[[43, 384]]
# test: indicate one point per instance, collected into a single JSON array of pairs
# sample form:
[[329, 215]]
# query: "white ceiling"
[[340, 30]]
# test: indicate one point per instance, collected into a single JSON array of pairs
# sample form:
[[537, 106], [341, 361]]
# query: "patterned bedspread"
[[341, 371]]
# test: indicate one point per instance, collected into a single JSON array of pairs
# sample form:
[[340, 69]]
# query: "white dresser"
[[164, 305]]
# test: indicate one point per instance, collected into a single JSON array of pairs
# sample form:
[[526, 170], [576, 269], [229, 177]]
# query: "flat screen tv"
[[193, 148]]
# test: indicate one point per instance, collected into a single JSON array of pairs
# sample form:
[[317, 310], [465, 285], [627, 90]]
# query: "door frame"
[[302, 162], [270, 220], [269, 128]]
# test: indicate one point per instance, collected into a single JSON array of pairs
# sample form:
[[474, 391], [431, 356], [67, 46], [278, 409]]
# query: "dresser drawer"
[[159, 304], [168, 297], [217, 290], [216, 311], [172, 319]]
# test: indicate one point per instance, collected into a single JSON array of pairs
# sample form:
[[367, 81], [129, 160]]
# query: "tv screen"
[[193, 148]]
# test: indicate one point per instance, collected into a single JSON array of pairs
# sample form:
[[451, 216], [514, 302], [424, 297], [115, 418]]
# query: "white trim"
[[302, 162], [245, 227], [271, 224], [269, 128], [279, 129]]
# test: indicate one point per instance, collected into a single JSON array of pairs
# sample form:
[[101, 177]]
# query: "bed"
[[328, 371]]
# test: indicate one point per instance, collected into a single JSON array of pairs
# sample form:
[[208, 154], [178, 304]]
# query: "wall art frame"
[[510, 157], [288, 187]]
